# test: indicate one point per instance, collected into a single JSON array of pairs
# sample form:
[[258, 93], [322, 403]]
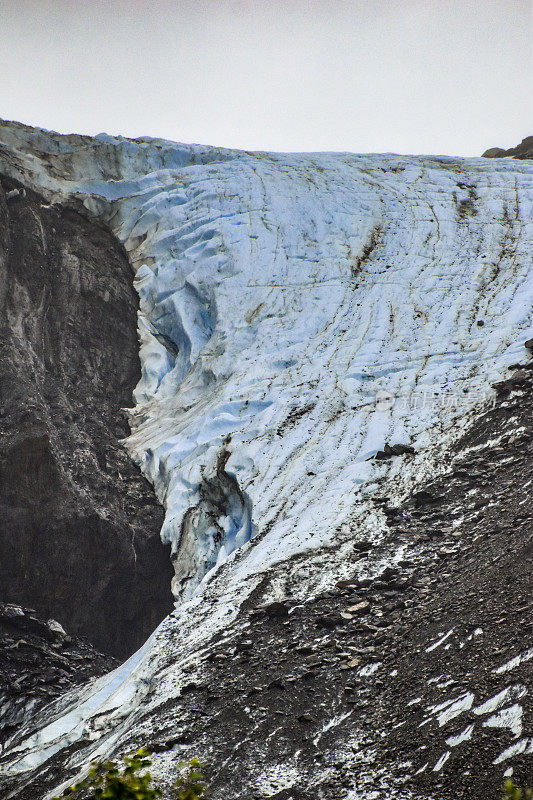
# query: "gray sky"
[[363, 75]]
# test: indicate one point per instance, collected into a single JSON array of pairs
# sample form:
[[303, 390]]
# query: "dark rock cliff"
[[38, 663], [79, 526], [522, 151]]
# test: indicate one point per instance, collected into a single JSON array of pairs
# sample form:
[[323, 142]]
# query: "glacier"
[[297, 313]]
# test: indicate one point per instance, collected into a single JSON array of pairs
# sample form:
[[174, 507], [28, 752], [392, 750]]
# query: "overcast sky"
[[409, 76]]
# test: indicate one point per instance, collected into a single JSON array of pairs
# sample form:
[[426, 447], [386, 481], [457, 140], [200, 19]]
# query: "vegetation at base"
[[512, 792], [131, 780], [190, 785]]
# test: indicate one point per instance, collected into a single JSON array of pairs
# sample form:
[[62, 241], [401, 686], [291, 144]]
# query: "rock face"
[[522, 151], [79, 526], [38, 663]]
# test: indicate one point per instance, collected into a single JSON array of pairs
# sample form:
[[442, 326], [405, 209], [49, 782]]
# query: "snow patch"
[[507, 718], [439, 641], [493, 703], [515, 662], [464, 736]]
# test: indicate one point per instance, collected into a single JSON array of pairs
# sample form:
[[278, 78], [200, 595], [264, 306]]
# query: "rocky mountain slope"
[[345, 491], [39, 661], [522, 151]]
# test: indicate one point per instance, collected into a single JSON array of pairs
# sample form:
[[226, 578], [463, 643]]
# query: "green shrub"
[[109, 781], [512, 792], [132, 781], [190, 785]]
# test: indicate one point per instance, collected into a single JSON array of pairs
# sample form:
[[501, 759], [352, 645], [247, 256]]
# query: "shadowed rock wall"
[[79, 525]]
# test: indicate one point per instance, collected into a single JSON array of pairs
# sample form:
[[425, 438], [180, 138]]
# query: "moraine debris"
[[394, 450]]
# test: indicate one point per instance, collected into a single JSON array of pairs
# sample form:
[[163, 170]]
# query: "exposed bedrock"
[[39, 661], [219, 523], [522, 151], [79, 525]]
